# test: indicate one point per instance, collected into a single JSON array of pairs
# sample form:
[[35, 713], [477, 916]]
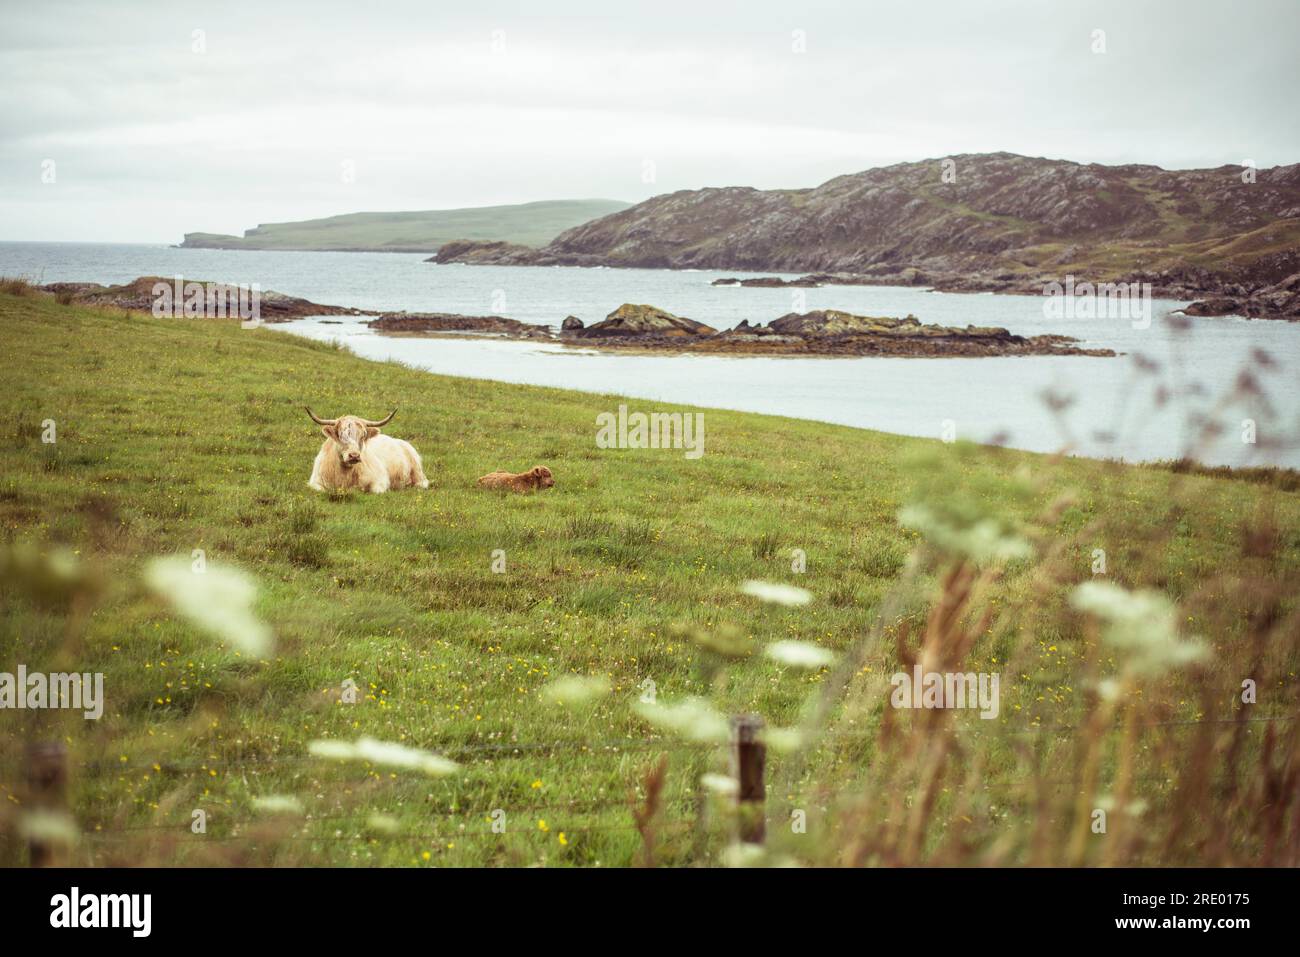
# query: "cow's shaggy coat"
[[357, 455]]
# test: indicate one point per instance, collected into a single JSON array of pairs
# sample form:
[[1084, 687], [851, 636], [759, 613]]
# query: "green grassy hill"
[[529, 224], [177, 435]]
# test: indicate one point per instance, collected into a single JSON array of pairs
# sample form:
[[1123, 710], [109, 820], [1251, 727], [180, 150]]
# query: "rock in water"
[[641, 320], [435, 323]]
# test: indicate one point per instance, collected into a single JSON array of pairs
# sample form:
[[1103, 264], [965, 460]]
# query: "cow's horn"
[[318, 420], [382, 422]]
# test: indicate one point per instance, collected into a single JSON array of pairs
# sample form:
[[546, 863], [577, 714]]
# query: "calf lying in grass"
[[355, 454], [539, 476]]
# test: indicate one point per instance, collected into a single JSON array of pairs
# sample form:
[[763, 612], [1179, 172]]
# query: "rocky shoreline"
[[138, 296], [1210, 297], [816, 280], [1279, 301], [1210, 294], [643, 328], [631, 326]]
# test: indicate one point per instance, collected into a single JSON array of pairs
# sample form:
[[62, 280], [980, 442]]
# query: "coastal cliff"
[[987, 222]]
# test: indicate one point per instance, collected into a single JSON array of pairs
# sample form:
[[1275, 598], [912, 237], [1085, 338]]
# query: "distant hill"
[[999, 221], [527, 224]]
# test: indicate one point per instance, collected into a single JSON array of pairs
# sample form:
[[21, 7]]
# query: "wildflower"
[[382, 823], [219, 601], [727, 641], [743, 855], [782, 740], [776, 593], [982, 541], [799, 654], [277, 804], [721, 784], [384, 752], [575, 690], [692, 718], [51, 827], [1142, 624], [1107, 803]]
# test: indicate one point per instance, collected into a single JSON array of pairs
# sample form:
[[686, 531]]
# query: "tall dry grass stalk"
[[1185, 771]]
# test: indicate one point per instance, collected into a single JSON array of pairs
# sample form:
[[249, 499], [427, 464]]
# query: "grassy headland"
[[529, 224]]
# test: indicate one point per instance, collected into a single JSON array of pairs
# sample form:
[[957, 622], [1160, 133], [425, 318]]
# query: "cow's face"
[[350, 435]]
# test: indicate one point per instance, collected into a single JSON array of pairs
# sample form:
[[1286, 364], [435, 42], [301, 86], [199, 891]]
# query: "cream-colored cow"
[[356, 454]]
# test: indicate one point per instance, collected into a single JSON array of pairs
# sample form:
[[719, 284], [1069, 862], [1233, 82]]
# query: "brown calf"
[[539, 476]]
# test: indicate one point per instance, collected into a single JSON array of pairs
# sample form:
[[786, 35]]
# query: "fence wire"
[[468, 827]]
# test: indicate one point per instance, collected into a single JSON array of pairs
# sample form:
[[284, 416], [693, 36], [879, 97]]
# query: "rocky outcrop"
[[630, 320], [828, 333], [1214, 306], [834, 322], [766, 282], [906, 277], [480, 252], [444, 322], [757, 333], [1000, 222], [1279, 301], [832, 332], [139, 296], [73, 289]]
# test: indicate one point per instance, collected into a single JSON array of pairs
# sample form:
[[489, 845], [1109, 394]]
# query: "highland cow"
[[356, 454]]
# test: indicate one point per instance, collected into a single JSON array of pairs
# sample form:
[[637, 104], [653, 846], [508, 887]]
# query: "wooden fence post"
[[750, 758], [47, 790]]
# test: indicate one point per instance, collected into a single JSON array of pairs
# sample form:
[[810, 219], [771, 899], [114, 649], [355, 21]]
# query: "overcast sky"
[[155, 130]]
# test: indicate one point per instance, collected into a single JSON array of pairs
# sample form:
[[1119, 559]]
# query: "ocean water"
[[1147, 404]]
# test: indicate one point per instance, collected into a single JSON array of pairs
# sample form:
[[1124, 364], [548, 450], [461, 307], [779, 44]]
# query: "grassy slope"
[[1222, 254], [1182, 242], [532, 224], [175, 435]]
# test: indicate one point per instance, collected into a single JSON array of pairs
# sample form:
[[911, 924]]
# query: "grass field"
[[177, 435]]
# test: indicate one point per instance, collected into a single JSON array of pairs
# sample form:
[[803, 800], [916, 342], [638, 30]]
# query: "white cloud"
[[254, 129]]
